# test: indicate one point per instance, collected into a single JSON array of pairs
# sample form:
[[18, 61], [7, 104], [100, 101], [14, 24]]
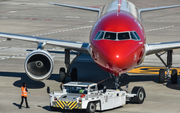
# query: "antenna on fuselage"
[[119, 7]]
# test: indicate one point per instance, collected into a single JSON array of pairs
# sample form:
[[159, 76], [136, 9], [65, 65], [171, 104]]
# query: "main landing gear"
[[162, 76], [63, 73]]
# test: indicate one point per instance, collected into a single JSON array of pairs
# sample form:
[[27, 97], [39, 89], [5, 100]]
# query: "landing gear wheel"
[[91, 108], [161, 76], [74, 74], [62, 74], [141, 95], [174, 76]]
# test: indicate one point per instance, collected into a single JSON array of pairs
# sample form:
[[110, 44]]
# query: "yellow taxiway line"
[[150, 70]]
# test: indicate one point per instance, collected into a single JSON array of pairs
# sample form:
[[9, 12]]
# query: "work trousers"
[[22, 99]]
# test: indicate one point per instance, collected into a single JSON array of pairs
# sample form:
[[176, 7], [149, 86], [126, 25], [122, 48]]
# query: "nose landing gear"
[[117, 83]]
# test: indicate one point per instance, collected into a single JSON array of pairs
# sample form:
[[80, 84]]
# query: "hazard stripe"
[[59, 104], [64, 103], [76, 107], [73, 106], [69, 103]]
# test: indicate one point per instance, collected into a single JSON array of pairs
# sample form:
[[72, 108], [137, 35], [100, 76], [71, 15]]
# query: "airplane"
[[117, 44]]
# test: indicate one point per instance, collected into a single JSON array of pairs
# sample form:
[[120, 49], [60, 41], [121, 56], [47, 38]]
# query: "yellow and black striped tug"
[[67, 104]]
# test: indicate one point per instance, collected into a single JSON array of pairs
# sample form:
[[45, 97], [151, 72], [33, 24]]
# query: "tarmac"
[[38, 18]]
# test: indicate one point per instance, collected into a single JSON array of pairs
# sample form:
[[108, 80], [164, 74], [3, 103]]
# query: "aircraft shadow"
[[88, 71]]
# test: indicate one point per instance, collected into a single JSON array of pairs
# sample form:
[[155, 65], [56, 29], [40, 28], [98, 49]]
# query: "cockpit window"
[[133, 36], [99, 35], [129, 35], [137, 36], [123, 36], [110, 36]]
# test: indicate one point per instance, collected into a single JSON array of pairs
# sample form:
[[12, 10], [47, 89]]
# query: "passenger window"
[[99, 35], [137, 36], [133, 36], [110, 36], [123, 36]]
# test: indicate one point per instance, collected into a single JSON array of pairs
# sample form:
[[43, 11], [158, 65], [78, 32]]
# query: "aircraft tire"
[[91, 107], [174, 76], [62, 75], [141, 95], [74, 74], [161, 76]]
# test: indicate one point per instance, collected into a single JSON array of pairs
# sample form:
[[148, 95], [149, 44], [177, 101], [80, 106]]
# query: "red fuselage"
[[117, 56]]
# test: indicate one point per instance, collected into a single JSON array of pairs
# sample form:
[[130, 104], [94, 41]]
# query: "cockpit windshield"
[[110, 36], [99, 35], [132, 35], [123, 36]]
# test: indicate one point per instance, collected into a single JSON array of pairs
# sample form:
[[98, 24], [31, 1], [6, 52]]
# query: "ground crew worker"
[[23, 95]]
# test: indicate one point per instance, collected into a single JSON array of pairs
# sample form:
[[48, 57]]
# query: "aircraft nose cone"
[[118, 61], [119, 56]]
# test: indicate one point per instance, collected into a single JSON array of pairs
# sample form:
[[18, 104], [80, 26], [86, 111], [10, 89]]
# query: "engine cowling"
[[39, 65]]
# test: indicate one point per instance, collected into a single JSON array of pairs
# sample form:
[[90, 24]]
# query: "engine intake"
[[39, 65]]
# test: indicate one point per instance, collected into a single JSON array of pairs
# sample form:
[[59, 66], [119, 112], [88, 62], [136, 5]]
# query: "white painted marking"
[[160, 28], [71, 17], [90, 21], [12, 11]]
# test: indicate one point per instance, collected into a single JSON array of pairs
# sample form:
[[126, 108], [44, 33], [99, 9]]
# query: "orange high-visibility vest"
[[23, 92]]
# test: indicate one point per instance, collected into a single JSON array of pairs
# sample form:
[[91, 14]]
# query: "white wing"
[[157, 8], [159, 47], [77, 46], [77, 7]]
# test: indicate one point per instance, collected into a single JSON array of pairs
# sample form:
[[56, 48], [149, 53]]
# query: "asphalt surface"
[[38, 18]]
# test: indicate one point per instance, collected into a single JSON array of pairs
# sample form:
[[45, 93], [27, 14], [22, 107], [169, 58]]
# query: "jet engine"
[[39, 65]]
